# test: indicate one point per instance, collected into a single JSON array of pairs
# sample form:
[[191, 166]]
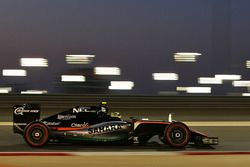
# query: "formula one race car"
[[93, 124]]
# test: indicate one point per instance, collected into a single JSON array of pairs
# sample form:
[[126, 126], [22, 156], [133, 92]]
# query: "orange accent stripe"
[[68, 128]]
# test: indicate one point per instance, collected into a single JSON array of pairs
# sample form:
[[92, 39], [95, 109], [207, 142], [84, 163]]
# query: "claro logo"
[[85, 124], [21, 110]]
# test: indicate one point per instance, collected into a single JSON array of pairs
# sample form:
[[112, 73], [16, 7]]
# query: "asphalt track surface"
[[234, 138], [125, 161]]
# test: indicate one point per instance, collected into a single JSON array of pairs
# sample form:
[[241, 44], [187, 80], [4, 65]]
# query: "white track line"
[[190, 123], [125, 153], [6, 123]]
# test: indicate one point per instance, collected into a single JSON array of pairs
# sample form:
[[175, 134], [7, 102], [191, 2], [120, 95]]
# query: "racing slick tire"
[[36, 134], [177, 135]]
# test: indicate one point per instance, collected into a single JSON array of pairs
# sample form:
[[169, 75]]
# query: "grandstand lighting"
[[121, 85], [209, 80], [34, 62], [241, 83], [5, 89], [228, 77], [181, 89], [245, 94], [248, 64], [198, 89], [165, 76], [79, 59], [194, 89], [186, 56], [14, 72], [107, 71], [73, 78], [34, 92]]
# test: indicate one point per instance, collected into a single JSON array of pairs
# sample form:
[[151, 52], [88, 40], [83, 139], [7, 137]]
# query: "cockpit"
[[101, 112]]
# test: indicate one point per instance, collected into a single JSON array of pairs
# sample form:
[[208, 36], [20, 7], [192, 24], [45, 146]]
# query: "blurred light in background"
[[107, 71], [227, 77], [245, 94], [5, 89], [186, 56], [14, 72], [194, 89], [198, 89], [34, 62], [180, 89], [79, 59], [241, 83], [121, 85], [165, 76], [209, 80], [34, 92], [248, 64], [73, 78]]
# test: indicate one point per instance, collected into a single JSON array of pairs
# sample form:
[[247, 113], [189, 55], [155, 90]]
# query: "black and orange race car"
[[94, 124]]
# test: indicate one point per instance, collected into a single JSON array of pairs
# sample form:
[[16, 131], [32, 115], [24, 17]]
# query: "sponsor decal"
[[77, 110], [82, 109], [85, 124], [21, 110], [51, 123], [66, 117], [108, 128]]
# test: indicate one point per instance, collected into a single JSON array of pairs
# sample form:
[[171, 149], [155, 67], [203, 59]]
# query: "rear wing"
[[23, 115]]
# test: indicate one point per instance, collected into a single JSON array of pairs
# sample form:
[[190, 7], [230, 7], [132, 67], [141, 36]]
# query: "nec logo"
[[77, 110], [81, 109]]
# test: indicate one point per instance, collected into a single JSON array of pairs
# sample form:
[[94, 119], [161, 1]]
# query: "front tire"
[[177, 135], [36, 134]]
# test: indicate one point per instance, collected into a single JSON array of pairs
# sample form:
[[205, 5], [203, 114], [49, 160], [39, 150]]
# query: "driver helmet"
[[115, 114]]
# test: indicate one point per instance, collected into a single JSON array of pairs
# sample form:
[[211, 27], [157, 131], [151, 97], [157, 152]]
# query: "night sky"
[[139, 36]]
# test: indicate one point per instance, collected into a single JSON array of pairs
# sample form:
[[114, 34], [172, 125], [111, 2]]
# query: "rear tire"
[[36, 134], [177, 135]]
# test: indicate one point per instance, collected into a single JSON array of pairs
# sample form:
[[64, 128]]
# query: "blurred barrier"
[[184, 107]]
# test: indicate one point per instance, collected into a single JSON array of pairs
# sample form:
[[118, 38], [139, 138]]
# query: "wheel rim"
[[178, 135], [36, 135]]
